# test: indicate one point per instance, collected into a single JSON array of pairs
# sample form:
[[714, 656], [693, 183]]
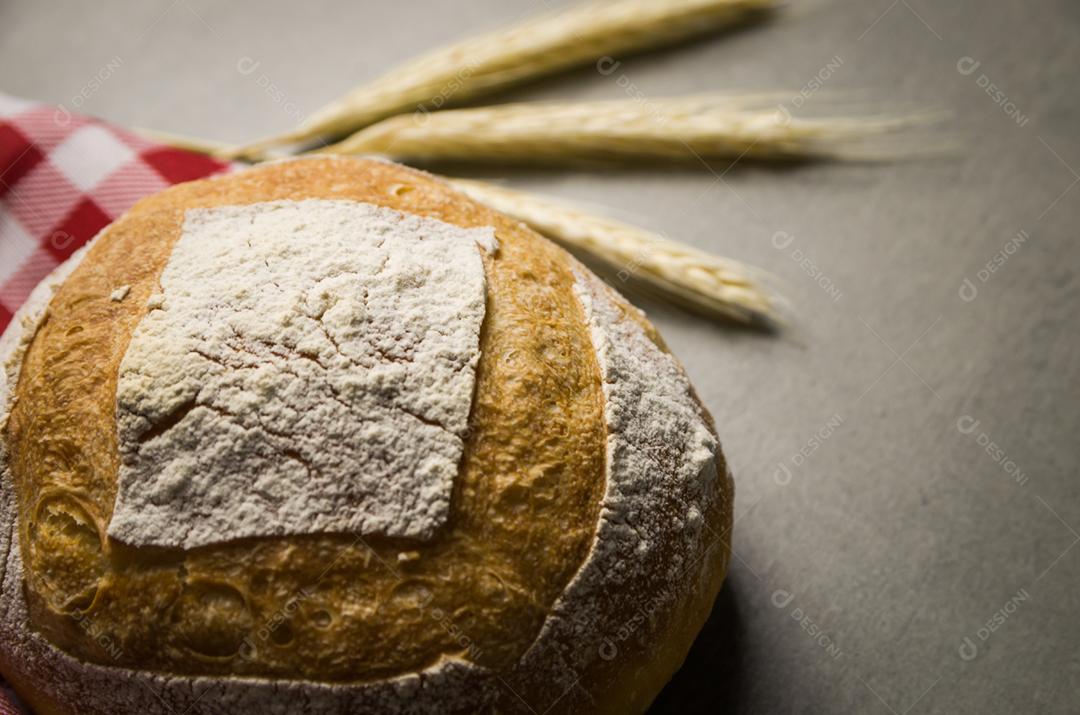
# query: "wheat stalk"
[[535, 48], [714, 286], [671, 129]]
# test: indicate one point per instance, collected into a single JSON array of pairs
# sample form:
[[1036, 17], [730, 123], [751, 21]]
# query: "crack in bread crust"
[[323, 607]]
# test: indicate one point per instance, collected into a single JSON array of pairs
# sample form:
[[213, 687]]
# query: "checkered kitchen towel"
[[62, 178], [9, 702]]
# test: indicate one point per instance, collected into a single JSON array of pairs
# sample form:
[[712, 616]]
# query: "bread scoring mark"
[[661, 481], [307, 366]]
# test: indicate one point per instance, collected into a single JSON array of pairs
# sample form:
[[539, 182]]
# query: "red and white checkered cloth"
[[9, 701], [63, 177]]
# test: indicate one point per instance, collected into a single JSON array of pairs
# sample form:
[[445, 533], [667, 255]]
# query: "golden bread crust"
[[329, 607]]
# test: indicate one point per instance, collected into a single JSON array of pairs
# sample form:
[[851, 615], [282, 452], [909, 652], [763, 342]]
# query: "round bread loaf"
[[325, 436]]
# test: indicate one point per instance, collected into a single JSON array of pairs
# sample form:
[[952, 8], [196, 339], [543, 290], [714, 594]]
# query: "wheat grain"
[[537, 47], [671, 129], [708, 284]]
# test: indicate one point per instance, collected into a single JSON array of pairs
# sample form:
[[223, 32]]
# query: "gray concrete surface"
[[887, 560]]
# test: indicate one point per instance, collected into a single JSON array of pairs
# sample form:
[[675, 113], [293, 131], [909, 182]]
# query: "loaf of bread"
[[326, 436]]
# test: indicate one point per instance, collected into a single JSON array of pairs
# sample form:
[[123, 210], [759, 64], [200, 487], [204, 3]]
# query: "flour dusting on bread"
[[307, 366]]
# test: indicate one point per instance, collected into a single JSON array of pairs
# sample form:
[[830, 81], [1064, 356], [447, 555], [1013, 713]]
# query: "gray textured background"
[[861, 570]]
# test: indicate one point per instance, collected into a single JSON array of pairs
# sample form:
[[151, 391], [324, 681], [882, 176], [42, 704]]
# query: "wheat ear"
[[535, 48], [670, 129], [708, 284]]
